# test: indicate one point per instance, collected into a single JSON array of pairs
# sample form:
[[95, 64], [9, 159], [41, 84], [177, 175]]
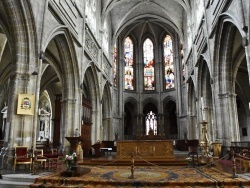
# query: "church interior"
[[136, 81]]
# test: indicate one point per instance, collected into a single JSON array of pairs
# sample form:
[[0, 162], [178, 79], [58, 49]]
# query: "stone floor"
[[23, 179]]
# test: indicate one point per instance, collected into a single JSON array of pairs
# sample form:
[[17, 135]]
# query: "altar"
[[146, 149]]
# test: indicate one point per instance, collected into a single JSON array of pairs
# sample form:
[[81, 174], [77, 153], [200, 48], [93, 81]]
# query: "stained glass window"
[[148, 60], [151, 123], [129, 64], [115, 66], [183, 64], [168, 62]]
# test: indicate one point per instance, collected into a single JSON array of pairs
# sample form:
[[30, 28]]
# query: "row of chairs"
[[38, 158]]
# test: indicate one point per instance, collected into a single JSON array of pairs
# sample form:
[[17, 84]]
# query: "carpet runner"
[[155, 176]]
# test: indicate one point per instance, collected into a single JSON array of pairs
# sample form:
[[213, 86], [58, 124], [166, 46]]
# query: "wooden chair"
[[52, 160], [22, 156], [192, 152], [54, 151], [39, 157]]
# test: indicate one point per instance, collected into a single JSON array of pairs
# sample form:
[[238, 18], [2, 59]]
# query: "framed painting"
[[26, 104]]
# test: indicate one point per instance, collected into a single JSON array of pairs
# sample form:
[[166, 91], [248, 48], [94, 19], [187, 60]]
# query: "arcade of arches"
[[113, 69]]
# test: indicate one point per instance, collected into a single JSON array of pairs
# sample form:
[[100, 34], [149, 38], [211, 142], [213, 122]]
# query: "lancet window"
[[115, 66], [149, 66], [151, 123], [129, 64], [168, 63]]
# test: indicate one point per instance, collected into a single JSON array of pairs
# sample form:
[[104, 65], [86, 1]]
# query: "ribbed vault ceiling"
[[166, 13]]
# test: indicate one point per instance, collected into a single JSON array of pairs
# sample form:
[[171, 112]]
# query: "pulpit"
[[74, 144]]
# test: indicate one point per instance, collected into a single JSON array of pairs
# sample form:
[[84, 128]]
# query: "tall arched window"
[[149, 66], [168, 62], [129, 64], [115, 66], [151, 123]]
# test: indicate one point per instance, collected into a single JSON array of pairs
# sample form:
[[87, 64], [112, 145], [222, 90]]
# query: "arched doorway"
[[170, 120], [129, 110]]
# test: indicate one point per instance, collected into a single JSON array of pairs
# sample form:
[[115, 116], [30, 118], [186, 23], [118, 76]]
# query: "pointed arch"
[[92, 92], [107, 133]]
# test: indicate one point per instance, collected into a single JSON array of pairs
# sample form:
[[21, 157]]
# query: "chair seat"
[[49, 155], [18, 160], [41, 158]]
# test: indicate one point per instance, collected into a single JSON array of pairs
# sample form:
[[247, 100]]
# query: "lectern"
[[74, 144]]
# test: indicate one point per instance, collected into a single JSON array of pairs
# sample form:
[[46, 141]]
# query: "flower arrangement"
[[70, 160], [188, 159]]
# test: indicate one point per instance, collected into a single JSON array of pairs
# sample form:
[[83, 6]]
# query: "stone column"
[[67, 118], [161, 130], [227, 122], [208, 118], [166, 125], [140, 129], [20, 126], [106, 129], [193, 130]]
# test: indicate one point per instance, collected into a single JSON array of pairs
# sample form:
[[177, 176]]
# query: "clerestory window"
[[168, 63], [149, 66], [115, 66], [129, 64]]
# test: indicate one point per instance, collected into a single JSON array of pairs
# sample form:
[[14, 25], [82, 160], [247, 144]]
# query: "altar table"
[[149, 149]]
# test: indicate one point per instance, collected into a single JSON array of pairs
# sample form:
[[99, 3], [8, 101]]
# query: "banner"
[[26, 104]]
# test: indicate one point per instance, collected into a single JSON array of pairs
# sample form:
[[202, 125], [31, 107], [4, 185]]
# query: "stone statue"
[[76, 133], [4, 112], [44, 110]]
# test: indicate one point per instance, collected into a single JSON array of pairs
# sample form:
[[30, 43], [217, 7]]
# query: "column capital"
[[72, 101], [19, 76]]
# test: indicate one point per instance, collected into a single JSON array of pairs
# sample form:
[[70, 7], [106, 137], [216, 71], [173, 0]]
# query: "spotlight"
[[34, 73]]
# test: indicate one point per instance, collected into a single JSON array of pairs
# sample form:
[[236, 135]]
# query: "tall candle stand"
[[205, 158]]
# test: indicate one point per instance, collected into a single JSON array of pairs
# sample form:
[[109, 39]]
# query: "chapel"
[[118, 70]]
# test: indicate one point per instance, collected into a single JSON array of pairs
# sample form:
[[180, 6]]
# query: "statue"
[[4, 112], [44, 110], [76, 133]]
